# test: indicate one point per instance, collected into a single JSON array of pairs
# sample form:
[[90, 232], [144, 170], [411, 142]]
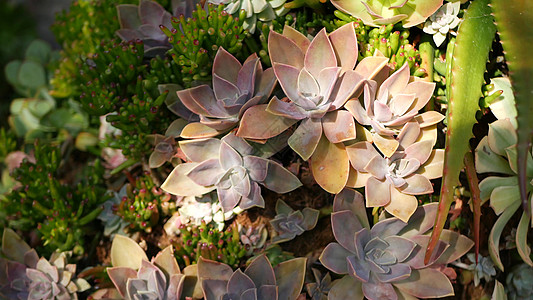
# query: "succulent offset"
[[387, 260], [229, 166], [381, 12], [442, 21], [258, 281], [289, 223], [236, 87]]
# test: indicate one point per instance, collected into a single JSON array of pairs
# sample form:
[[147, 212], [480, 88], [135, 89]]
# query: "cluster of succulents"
[[207, 241], [289, 223]]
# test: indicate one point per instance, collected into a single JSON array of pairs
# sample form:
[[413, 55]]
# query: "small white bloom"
[[442, 21]]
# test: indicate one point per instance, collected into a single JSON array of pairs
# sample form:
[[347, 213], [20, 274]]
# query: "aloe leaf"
[[472, 46], [521, 239], [496, 232], [517, 40], [473, 183]]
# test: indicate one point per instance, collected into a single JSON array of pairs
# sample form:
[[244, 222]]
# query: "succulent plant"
[[256, 10], [254, 234], [380, 12], [389, 106], [519, 283], [206, 241], [319, 289], [142, 22], [258, 281], [137, 278], [442, 21], [393, 182], [29, 277], [236, 87], [387, 260], [113, 223], [289, 223], [483, 269], [496, 154], [229, 166]]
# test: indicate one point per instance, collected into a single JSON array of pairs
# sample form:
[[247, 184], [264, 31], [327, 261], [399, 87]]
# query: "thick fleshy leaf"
[[200, 150], [310, 218], [208, 269], [421, 221], [401, 205], [459, 245], [400, 247], [377, 192], [166, 261], [128, 16], [356, 109], [358, 268], [286, 109], [214, 289], [417, 185], [290, 277], [487, 185], [429, 118], [269, 126], [206, 173], [409, 134], [360, 154], [352, 200], [378, 167], [306, 137], [257, 167], [426, 283], [488, 161], [396, 82], [279, 179], [504, 196], [229, 198], [379, 291], [502, 134], [433, 167], [283, 50], [420, 151], [261, 272], [416, 260], [283, 208], [371, 66], [226, 65], [297, 37], [346, 86], [339, 126], [423, 90], [198, 130], [334, 258], [177, 182], [330, 166], [521, 239], [125, 252], [239, 282], [224, 89], [119, 276], [386, 144], [496, 232], [13, 246], [320, 54], [344, 225], [346, 288], [267, 292], [397, 272], [344, 42]]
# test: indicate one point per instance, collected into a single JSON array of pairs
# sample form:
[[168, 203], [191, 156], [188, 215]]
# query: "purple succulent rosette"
[[236, 87], [258, 281], [387, 260], [289, 223], [230, 167]]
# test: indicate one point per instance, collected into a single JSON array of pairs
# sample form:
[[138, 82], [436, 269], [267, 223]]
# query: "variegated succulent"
[[142, 22], [393, 182], [258, 281], [318, 77], [256, 10], [382, 12], [236, 87], [387, 260], [390, 105], [137, 278], [23, 275], [229, 167], [289, 223]]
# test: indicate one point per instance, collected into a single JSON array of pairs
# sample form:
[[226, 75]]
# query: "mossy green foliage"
[[144, 205], [195, 41], [59, 210], [208, 242]]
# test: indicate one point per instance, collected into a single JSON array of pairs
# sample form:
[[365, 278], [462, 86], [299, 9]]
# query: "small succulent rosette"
[[289, 223], [230, 167], [24, 275], [387, 260], [382, 12], [135, 277], [258, 281], [443, 21]]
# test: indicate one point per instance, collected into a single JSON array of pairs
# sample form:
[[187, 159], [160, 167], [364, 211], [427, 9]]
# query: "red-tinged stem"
[[473, 183]]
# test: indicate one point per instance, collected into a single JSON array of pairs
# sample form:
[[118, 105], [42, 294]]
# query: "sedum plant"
[[387, 260], [24, 275], [258, 281], [381, 12], [236, 87], [230, 167], [289, 223], [394, 182], [519, 282]]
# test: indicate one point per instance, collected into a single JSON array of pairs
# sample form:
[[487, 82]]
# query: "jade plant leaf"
[[474, 41]]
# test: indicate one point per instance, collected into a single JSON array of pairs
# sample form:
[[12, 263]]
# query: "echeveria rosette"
[[289, 223], [387, 260], [142, 22], [317, 77], [229, 167], [388, 106], [496, 154], [258, 281], [442, 21], [393, 182], [256, 10], [236, 87], [382, 12]]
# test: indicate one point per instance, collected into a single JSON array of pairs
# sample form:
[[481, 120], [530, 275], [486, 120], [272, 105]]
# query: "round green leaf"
[[31, 75]]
